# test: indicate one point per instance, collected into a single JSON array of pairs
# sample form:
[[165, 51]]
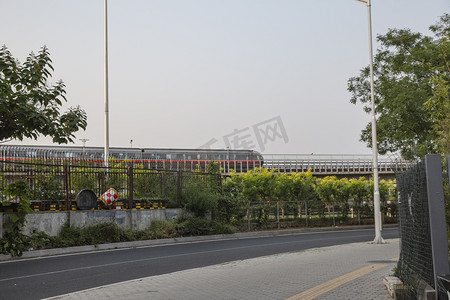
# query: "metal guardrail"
[[320, 164], [331, 163], [55, 186], [157, 159]]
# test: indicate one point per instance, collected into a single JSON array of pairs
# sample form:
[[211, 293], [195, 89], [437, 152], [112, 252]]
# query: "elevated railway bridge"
[[322, 165]]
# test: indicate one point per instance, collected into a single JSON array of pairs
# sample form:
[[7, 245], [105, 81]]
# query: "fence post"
[[278, 214], [306, 215], [448, 169], [67, 187], [130, 187], [101, 180], [436, 210], [248, 216], [180, 187]]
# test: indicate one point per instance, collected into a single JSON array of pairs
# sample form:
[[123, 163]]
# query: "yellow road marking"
[[395, 258], [336, 282]]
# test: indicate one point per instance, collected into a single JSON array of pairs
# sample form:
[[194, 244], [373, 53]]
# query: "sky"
[[261, 74]]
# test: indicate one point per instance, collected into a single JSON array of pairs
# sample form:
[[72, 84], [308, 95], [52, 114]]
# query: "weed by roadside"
[[112, 233]]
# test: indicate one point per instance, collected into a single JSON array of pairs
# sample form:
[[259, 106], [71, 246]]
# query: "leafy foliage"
[[14, 242], [198, 200], [111, 232], [257, 190], [360, 191], [438, 106], [29, 105], [326, 189], [404, 68]]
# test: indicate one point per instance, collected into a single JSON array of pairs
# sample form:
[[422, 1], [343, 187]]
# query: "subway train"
[[153, 158]]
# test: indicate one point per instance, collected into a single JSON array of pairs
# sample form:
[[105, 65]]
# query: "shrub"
[[199, 201], [200, 226], [14, 242], [229, 210], [41, 240], [160, 230]]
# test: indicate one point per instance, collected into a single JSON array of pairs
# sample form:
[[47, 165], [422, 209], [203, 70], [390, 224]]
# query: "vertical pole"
[[67, 187], [306, 215], [248, 216], [334, 219], [448, 169], [106, 156], [436, 210], [376, 193], [278, 214], [180, 187], [130, 187]]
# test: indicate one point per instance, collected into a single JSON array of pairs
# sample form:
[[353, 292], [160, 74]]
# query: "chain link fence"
[[419, 189]]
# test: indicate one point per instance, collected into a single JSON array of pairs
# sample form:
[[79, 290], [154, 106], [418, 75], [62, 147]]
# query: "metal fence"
[[55, 186], [423, 230], [287, 214], [157, 159]]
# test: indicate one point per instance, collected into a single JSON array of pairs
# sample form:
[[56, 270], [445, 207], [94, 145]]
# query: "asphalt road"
[[50, 276]]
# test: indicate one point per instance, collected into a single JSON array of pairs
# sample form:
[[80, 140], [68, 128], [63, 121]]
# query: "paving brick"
[[271, 277]]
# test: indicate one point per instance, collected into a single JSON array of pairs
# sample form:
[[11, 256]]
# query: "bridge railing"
[[318, 163], [328, 163]]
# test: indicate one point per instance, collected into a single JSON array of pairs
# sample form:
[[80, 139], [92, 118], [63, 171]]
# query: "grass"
[[180, 227], [112, 233]]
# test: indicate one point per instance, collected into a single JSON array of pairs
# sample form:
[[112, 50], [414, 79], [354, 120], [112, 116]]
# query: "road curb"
[[169, 241]]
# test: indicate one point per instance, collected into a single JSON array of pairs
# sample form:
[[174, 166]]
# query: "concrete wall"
[[51, 222]]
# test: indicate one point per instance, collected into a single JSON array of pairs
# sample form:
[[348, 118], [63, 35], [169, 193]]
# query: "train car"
[[152, 158]]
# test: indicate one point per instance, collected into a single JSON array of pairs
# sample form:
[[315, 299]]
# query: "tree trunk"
[[306, 213], [334, 219]]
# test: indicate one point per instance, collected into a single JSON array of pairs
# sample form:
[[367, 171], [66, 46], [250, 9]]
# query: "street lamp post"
[[228, 158], [84, 144], [376, 192], [106, 156]]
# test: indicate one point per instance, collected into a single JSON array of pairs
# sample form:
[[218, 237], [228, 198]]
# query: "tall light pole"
[[376, 192], [106, 156], [84, 144]]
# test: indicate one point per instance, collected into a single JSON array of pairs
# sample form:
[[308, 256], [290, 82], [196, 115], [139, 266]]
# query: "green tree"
[[438, 106], [283, 189], [342, 194], [404, 66], [234, 208], [326, 189], [360, 191], [29, 105], [260, 185], [303, 189], [386, 190], [14, 241]]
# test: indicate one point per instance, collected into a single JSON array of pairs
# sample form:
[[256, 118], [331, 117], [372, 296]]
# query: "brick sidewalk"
[[271, 277]]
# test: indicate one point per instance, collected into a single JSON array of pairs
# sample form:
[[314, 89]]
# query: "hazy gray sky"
[[183, 73]]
